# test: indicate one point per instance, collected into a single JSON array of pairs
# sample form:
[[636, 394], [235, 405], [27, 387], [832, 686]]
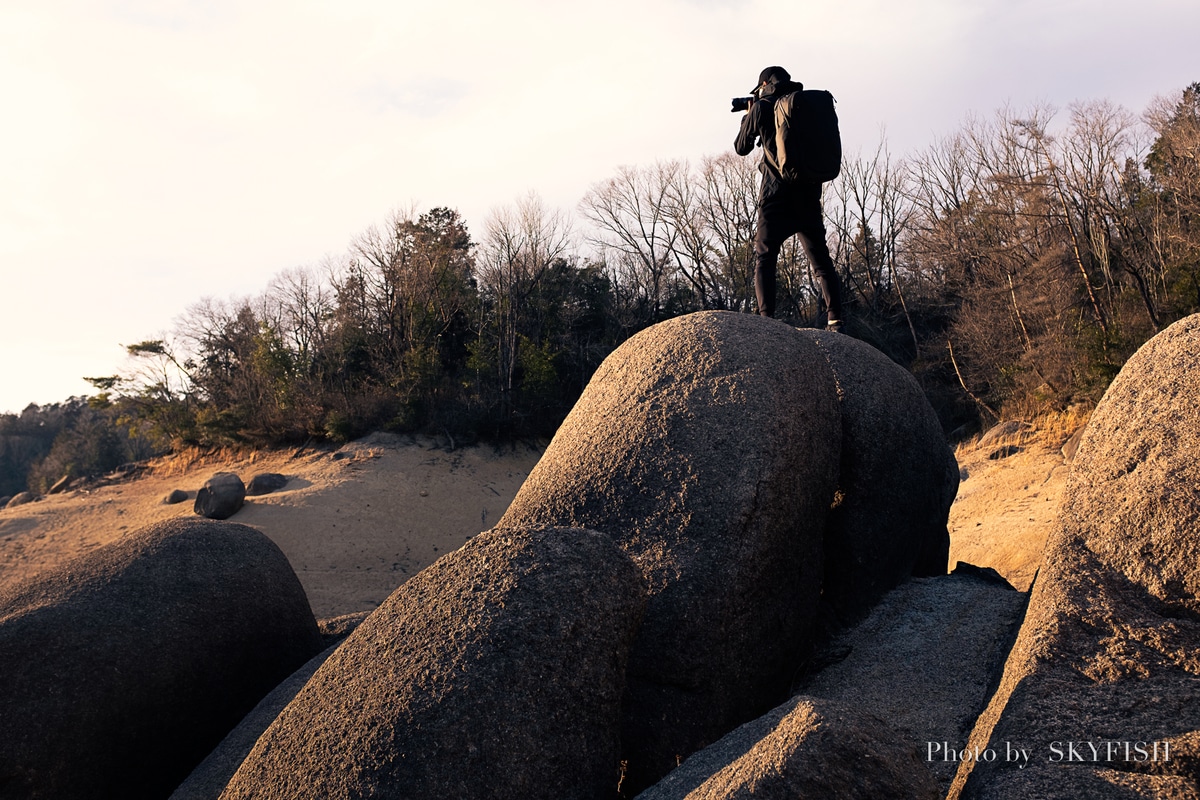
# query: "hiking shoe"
[[834, 325]]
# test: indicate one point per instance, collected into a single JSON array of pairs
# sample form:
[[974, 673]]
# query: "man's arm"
[[747, 136]]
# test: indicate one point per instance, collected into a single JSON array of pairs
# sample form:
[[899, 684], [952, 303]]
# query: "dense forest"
[[1012, 266]]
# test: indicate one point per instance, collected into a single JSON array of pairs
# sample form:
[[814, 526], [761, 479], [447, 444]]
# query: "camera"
[[741, 103]]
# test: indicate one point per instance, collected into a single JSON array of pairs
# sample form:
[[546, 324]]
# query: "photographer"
[[786, 208]]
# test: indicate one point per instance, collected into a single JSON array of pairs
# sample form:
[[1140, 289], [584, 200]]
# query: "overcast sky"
[[154, 152]]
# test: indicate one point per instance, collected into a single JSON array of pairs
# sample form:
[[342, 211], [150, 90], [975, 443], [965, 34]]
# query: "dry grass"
[[1048, 430], [186, 460]]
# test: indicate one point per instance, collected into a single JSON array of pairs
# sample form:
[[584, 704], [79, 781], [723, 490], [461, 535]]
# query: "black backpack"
[[808, 145]]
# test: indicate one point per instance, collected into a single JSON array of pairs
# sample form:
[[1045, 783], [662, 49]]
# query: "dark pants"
[[793, 210]]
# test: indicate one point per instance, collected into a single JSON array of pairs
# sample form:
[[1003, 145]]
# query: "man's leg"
[[811, 230], [769, 236], [764, 280]]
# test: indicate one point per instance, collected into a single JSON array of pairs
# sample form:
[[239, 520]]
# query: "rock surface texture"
[[495, 672], [1110, 649], [123, 670], [807, 748], [708, 447], [898, 478], [926, 660]]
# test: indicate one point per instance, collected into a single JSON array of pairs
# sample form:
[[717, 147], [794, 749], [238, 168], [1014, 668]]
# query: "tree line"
[[1012, 266]]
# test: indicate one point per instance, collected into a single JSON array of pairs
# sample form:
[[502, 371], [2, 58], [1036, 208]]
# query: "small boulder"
[[1071, 446], [176, 496], [806, 748], [221, 496], [60, 485], [265, 483], [989, 574], [335, 629], [123, 669], [1003, 431], [497, 672], [20, 499], [1005, 451]]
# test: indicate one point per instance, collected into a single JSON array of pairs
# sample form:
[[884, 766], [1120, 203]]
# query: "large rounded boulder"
[[497, 671], [120, 671], [897, 480], [1103, 683], [708, 447]]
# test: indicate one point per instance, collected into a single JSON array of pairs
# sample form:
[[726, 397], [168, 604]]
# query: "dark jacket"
[[758, 127]]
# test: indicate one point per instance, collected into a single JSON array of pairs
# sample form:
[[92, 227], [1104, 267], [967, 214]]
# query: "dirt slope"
[[1007, 503]]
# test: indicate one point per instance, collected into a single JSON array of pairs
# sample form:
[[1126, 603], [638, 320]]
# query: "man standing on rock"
[[786, 207]]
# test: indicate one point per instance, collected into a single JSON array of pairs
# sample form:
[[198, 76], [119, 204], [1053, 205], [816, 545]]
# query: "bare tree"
[[942, 188], [629, 212], [520, 244], [1033, 131], [987, 233], [730, 208], [868, 212], [693, 248], [1102, 182], [301, 305]]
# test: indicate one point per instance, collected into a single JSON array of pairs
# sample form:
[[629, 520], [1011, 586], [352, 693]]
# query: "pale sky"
[[154, 152]]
